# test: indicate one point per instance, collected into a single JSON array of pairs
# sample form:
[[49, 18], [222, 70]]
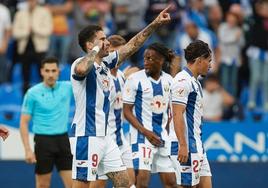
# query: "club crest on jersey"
[[146, 162], [180, 92], [158, 104], [93, 171], [105, 81], [118, 104], [166, 88]]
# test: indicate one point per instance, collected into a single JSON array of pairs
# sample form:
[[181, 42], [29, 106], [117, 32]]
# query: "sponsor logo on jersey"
[[158, 104]]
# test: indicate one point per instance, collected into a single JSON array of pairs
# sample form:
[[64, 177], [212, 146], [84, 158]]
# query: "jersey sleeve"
[[130, 90], [28, 104], [111, 60], [73, 75], [180, 91]]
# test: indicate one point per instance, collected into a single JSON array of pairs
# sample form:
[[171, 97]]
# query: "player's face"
[[153, 62], [50, 73], [104, 51], [204, 65]]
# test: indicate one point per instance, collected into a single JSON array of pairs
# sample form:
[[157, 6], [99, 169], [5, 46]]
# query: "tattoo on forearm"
[[86, 63], [120, 179], [136, 42]]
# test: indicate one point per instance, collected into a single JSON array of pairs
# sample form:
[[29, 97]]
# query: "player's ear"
[[89, 45]]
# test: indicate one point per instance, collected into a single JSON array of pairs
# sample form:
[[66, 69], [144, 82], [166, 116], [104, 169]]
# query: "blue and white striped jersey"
[[151, 100], [91, 94], [187, 90], [116, 107]]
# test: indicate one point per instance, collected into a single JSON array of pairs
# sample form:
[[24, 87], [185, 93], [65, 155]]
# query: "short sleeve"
[[28, 104], [180, 91], [111, 60], [130, 90]]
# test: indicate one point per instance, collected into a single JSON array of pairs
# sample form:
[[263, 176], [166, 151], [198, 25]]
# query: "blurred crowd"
[[236, 31]]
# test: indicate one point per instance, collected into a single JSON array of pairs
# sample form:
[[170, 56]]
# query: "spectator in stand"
[[258, 53], [32, 29], [5, 29], [214, 17], [60, 38], [165, 35], [129, 20], [231, 41], [213, 91], [196, 12], [87, 12], [192, 33]]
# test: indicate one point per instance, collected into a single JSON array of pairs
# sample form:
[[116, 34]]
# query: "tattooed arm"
[[83, 67], [137, 41]]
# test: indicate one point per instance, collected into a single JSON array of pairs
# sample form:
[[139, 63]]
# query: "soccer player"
[[4, 132], [115, 121], [190, 158], [48, 104], [95, 151], [146, 100]]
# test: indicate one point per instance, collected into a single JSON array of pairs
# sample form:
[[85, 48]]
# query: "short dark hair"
[[49, 60], [87, 34], [167, 53], [116, 40], [196, 49]]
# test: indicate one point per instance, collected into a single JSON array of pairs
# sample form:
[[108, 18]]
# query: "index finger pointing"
[[166, 9]]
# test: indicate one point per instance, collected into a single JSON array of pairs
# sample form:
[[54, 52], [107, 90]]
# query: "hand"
[[183, 154], [30, 157], [4, 132], [163, 17], [153, 138], [98, 43]]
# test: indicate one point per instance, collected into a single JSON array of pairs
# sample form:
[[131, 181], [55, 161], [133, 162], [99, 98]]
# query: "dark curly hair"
[[196, 49], [167, 53], [87, 34]]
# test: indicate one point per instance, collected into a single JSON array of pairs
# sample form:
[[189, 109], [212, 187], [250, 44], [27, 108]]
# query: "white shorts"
[[189, 174], [154, 159], [95, 155], [126, 155]]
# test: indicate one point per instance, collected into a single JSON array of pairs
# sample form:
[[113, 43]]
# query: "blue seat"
[[10, 104]]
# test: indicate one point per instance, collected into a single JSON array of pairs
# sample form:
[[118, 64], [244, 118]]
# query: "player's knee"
[[142, 182], [171, 182], [42, 184], [123, 182]]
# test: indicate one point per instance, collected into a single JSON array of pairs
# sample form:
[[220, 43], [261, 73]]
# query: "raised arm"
[[137, 41]]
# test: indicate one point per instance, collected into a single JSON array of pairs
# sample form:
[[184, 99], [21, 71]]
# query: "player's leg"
[[163, 165], [131, 175], [80, 184], [205, 182], [112, 164], [66, 176], [143, 178], [87, 154], [142, 156], [127, 160], [64, 160], [119, 179], [43, 180], [168, 179], [98, 184], [44, 152], [187, 174], [205, 174]]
